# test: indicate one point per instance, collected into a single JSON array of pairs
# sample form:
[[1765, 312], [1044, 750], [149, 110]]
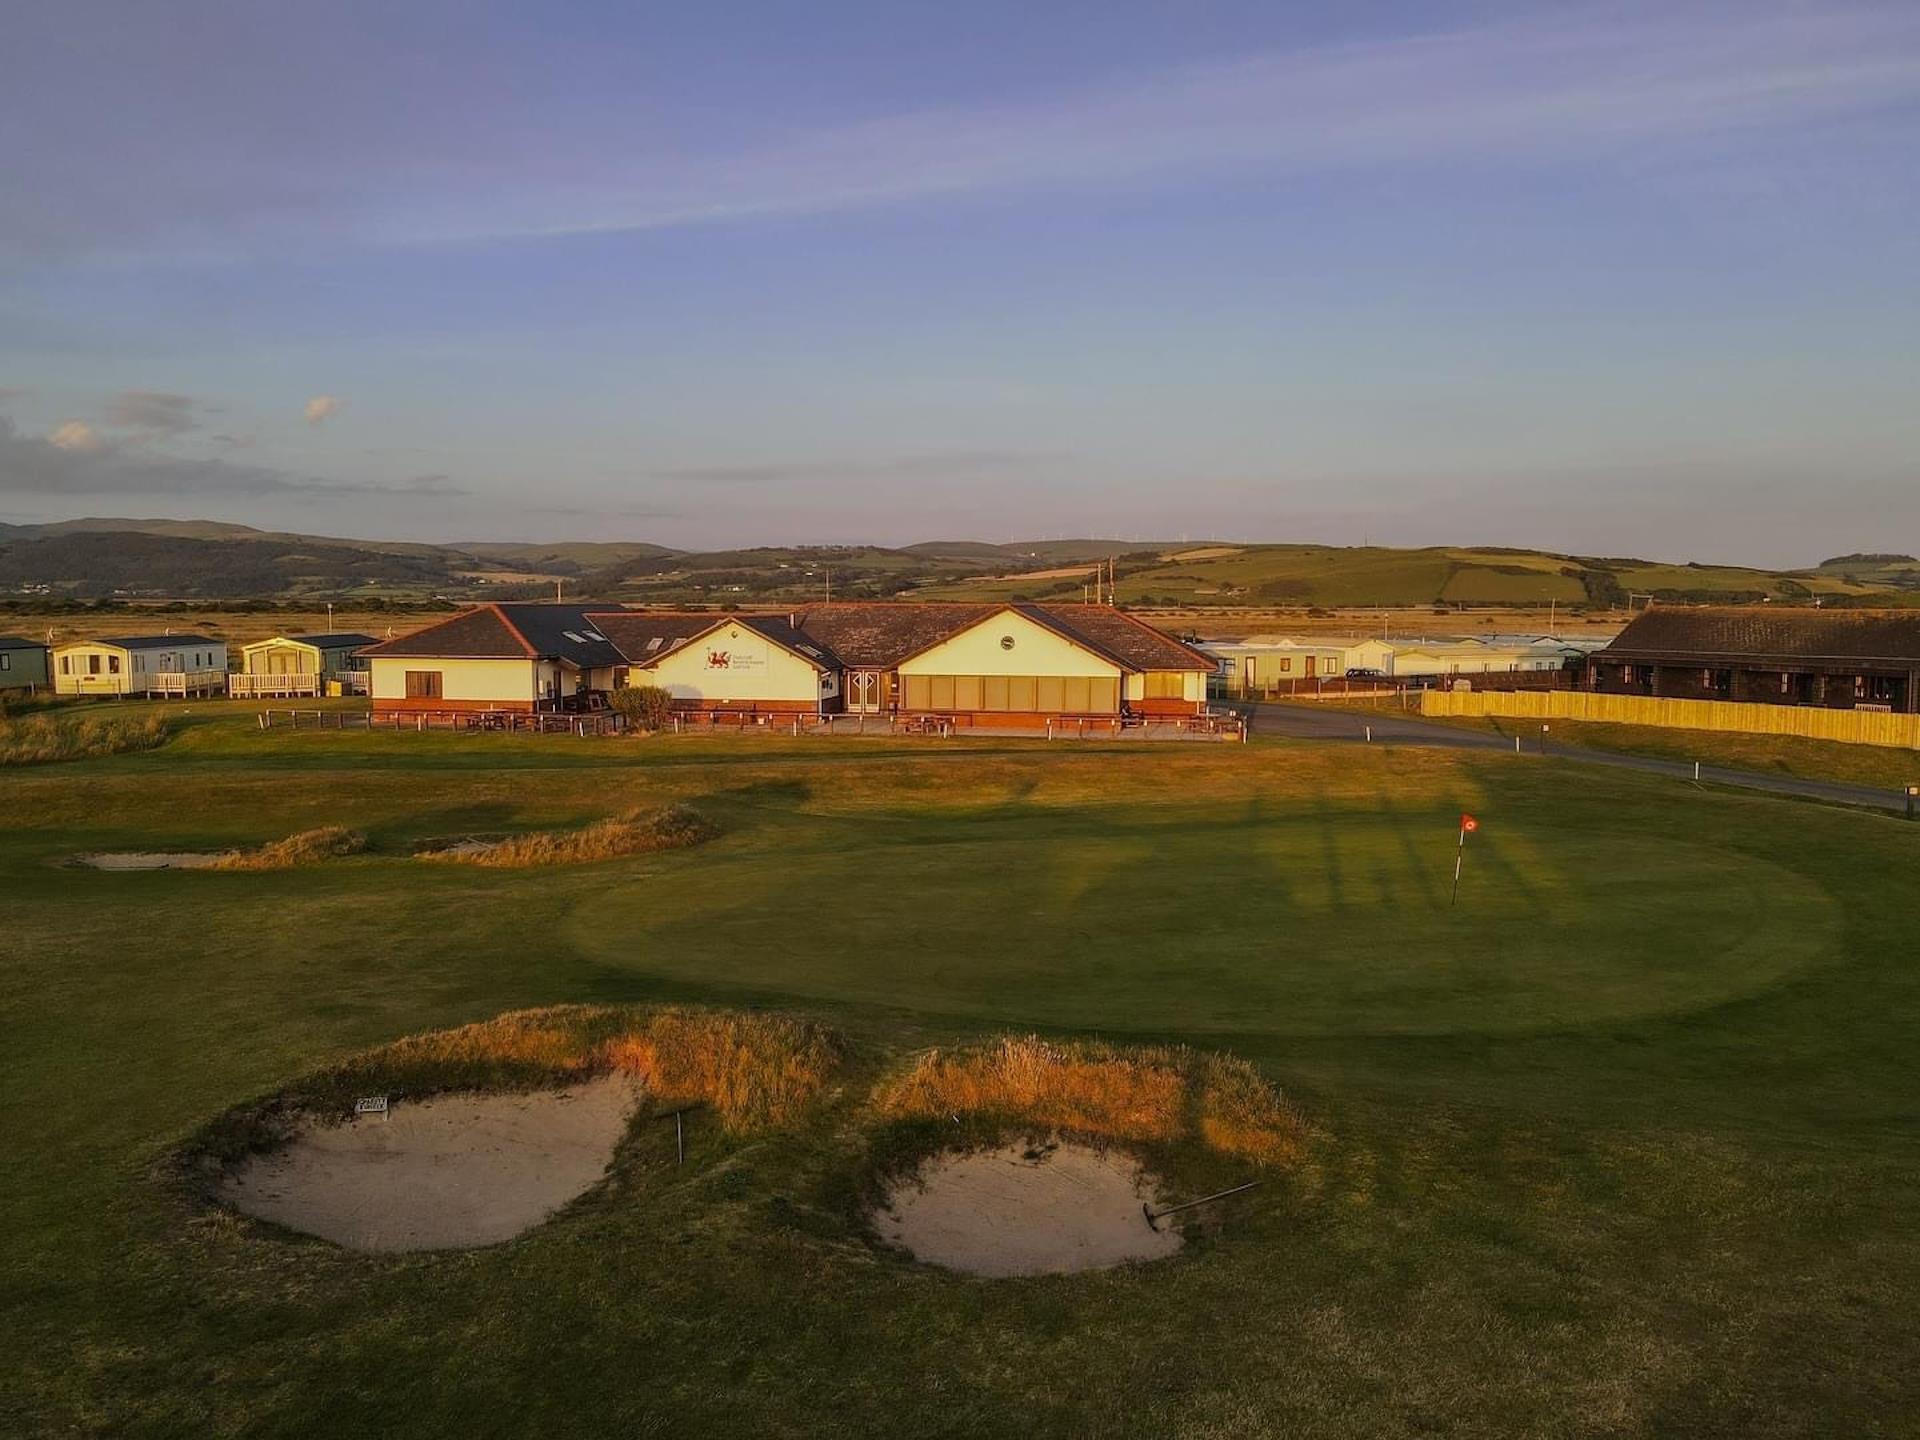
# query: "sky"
[[1614, 279]]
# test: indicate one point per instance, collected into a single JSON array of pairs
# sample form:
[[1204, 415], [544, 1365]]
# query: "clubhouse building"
[[993, 666]]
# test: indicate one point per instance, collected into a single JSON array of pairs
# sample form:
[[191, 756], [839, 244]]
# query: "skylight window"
[[596, 635], [809, 650], [655, 643], [576, 638]]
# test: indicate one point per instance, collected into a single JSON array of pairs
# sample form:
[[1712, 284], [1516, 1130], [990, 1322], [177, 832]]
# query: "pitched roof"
[[329, 640], [1762, 633], [509, 632], [16, 642], [1134, 643], [643, 636], [646, 638], [148, 642], [879, 634]]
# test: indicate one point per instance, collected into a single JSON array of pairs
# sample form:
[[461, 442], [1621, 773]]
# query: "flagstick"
[[1459, 854]]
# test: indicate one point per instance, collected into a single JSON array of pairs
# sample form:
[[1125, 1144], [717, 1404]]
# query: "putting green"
[[1305, 924]]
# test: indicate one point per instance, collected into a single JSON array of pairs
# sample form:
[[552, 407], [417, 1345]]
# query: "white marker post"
[[1467, 825]]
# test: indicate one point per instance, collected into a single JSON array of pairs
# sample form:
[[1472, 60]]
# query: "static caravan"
[[496, 659], [1276, 665], [288, 665], [23, 664], [149, 665]]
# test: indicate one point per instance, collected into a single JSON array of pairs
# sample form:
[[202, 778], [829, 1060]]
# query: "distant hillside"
[[142, 559], [131, 565]]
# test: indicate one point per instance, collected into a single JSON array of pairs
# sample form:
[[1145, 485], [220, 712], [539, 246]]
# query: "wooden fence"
[[1808, 722]]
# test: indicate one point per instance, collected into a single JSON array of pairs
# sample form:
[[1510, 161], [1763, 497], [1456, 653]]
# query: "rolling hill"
[[130, 559]]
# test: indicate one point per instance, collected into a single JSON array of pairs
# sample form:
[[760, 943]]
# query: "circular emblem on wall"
[[1006, 642]]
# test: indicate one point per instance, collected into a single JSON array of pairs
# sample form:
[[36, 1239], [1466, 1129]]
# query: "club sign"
[[727, 657]]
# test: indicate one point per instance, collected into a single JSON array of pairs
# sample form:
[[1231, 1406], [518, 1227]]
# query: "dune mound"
[[448, 1172], [1026, 1209]]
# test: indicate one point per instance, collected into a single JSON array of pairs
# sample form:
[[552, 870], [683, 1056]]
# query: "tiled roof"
[[646, 636], [1134, 643], [881, 634], [878, 635], [1761, 633], [509, 632]]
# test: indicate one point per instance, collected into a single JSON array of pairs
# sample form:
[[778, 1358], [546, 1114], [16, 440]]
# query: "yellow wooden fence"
[[1849, 727]]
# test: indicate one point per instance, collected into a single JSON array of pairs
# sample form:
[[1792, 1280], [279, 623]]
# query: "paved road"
[[1308, 722]]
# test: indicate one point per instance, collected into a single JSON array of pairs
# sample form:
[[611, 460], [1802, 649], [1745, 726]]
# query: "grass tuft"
[[46, 739], [1143, 1094], [674, 827], [308, 847], [755, 1071]]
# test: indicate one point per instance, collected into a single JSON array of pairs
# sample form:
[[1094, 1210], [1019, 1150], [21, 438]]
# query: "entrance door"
[[866, 692], [1313, 666]]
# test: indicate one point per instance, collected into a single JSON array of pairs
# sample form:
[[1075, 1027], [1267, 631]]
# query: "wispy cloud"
[[1531, 87], [322, 408], [153, 412], [1551, 82], [74, 437], [75, 461]]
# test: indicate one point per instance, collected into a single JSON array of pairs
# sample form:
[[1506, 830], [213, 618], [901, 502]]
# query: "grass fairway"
[[1623, 1145]]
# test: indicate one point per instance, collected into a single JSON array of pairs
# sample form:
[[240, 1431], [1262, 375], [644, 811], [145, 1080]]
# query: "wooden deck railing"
[[184, 682], [255, 687]]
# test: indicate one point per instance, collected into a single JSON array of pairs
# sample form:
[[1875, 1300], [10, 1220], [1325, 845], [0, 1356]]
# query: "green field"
[[1624, 1144]]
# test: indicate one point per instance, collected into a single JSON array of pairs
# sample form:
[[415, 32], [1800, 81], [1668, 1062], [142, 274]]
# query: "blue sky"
[[1603, 278]]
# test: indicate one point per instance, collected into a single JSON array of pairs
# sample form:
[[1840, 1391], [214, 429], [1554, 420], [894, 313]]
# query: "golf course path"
[[1305, 722]]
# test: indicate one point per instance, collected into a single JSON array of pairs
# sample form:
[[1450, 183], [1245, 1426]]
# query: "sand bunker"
[[1026, 1210], [439, 1174], [153, 860]]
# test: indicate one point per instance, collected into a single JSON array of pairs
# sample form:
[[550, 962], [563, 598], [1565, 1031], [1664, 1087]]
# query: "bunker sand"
[[153, 859], [449, 1172], [1026, 1209]]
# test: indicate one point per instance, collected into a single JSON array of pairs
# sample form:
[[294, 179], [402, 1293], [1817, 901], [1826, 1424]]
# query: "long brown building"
[[1841, 659]]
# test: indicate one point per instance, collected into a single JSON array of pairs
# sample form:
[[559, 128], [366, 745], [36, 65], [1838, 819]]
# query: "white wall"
[[459, 679], [1035, 651], [735, 664]]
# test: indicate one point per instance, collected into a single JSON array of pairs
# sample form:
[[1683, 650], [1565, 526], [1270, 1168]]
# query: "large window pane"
[[994, 692], [966, 692]]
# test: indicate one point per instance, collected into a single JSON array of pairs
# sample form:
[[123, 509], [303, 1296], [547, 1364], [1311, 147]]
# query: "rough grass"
[[45, 739], [755, 1070], [672, 827], [308, 847], [1155, 1094]]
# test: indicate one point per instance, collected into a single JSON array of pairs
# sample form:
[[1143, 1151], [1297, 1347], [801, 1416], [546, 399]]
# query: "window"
[[113, 664], [93, 664], [655, 643], [1286, 663], [1012, 694], [1165, 685], [423, 685], [6, 661], [1006, 642], [620, 680], [66, 665], [576, 638]]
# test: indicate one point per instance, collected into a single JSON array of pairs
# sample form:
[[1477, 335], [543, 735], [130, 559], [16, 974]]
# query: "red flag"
[[1469, 824]]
